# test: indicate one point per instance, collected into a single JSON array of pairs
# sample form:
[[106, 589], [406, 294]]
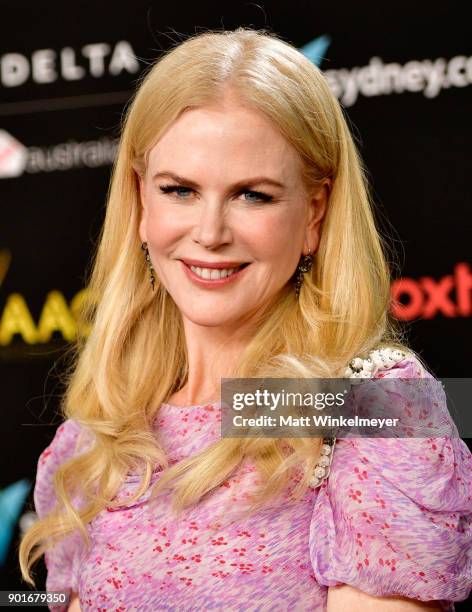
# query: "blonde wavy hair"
[[117, 381]]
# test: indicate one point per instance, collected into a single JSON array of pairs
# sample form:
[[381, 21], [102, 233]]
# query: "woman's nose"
[[211, 229]]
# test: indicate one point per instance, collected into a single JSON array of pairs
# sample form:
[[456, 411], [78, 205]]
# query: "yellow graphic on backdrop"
[[56, 316]]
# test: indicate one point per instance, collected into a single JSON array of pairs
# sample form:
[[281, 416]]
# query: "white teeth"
[[212, 273]]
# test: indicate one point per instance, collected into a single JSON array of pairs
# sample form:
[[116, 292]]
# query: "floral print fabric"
[[394, 517]]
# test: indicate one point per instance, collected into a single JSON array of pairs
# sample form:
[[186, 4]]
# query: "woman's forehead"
[[239, 137]]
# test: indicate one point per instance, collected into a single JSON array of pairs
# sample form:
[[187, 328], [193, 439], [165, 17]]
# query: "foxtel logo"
[[427, 297]]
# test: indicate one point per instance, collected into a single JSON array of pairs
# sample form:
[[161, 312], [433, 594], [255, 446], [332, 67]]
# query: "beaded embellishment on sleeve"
[[358, 368]]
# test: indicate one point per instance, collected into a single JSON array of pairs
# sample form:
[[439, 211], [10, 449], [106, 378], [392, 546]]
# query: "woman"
[[235, 156]]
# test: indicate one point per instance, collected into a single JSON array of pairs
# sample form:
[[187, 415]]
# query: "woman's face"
[[223, 186]]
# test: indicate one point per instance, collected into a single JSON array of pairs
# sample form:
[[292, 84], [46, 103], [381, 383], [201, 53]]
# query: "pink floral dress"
[[394, 517]]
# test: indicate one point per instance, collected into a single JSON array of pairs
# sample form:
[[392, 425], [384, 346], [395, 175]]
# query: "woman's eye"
[[263, 197], [181, 192], [174, 188]]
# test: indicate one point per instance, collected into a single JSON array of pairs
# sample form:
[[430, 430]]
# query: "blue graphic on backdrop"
[[12, 500], [315, 49]]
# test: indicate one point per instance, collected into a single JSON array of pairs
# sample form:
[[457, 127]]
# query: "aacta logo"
[[427, 298]]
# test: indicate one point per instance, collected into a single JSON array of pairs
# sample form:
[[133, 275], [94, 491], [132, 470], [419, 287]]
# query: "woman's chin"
[[208, 319]]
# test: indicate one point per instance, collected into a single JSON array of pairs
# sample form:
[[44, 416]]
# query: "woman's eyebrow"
[[258, 180]]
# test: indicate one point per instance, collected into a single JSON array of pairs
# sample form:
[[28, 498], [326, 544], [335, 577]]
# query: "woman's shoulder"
[[387, 361], [394, 517], [429, 468], [70, 438], [63, 559]]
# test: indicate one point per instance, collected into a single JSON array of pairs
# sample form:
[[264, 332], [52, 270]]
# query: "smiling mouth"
[[214, 273]]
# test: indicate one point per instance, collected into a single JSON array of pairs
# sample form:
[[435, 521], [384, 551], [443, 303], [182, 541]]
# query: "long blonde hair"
[[116, 383]]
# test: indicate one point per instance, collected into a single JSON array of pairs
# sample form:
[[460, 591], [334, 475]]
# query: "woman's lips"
[[222, 265], [204, 282]]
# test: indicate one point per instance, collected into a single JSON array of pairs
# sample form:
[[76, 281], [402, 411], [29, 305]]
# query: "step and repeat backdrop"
[[401, 71]]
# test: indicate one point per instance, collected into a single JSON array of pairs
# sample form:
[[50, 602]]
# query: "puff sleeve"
[[394, 518], [62, 560]]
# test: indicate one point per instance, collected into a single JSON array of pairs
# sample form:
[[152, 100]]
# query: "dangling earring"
[[144, 246], [304, 265]]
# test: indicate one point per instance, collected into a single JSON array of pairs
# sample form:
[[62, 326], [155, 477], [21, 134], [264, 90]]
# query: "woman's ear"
[[317, 206], [143, 208], [141, 190]]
